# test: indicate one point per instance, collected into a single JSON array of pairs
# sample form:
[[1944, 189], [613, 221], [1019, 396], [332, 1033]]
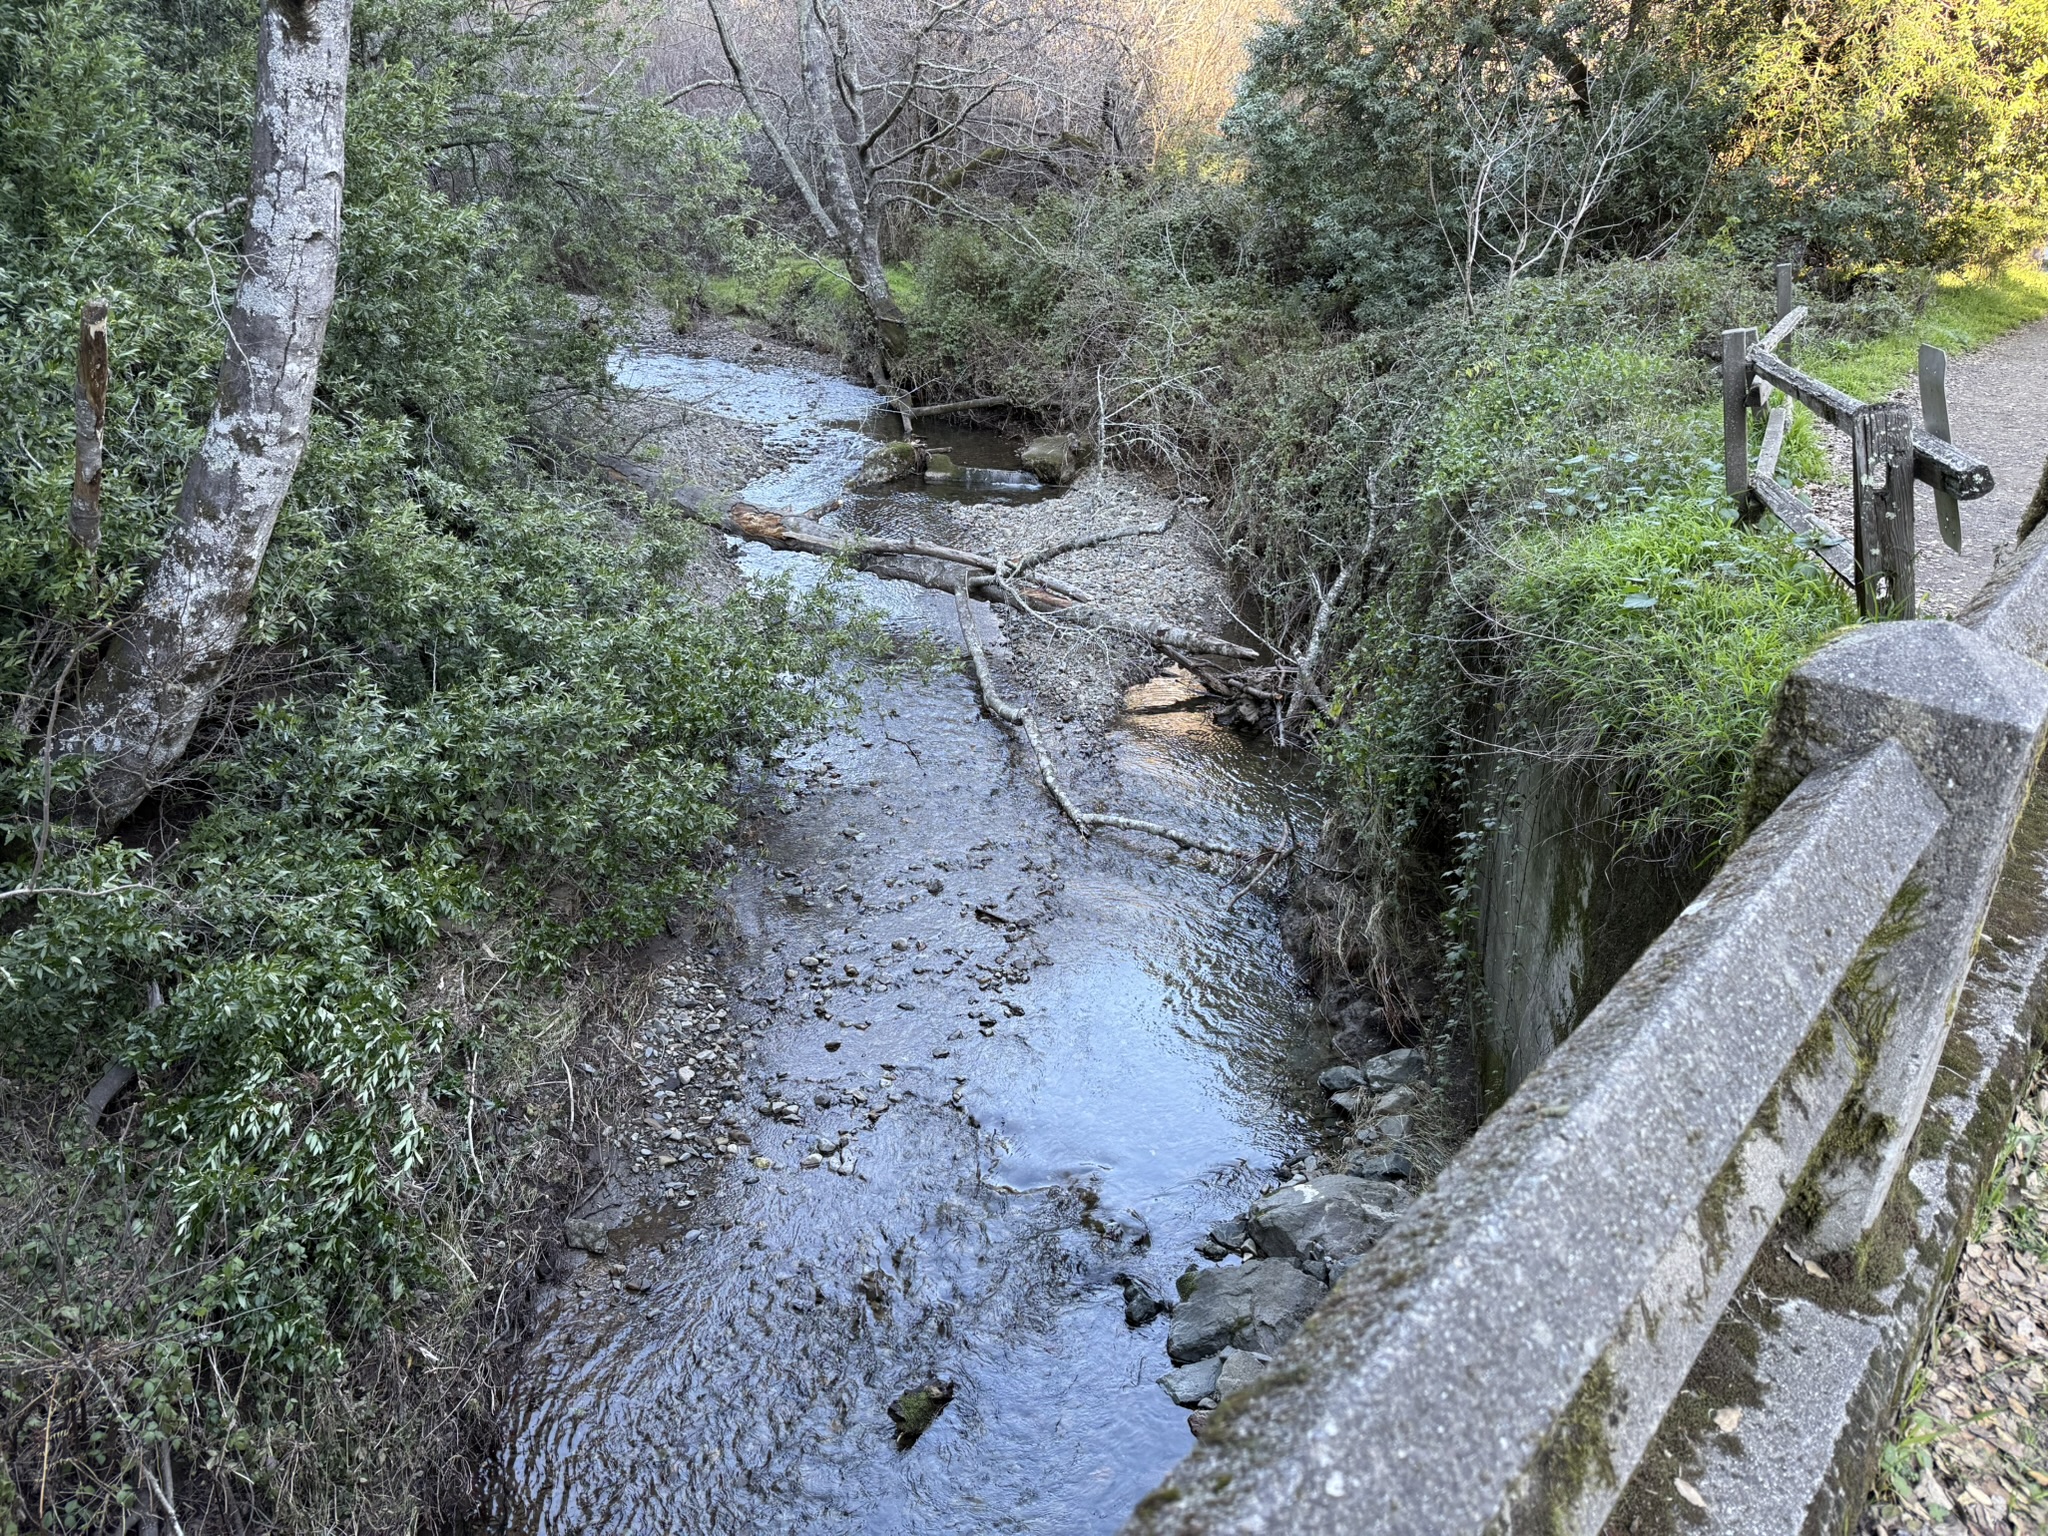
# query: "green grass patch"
[[1967, 309], [1650, 645]]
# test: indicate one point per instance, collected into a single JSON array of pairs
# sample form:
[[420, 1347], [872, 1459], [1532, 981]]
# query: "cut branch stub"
[[89, 418]]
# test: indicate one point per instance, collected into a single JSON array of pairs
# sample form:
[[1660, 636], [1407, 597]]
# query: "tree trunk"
[[859, 238], [143, 703]]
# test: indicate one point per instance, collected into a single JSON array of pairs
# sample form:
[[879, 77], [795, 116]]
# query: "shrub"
[[480, 709]]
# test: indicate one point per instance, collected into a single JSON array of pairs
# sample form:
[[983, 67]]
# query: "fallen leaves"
[[1972, 1454]]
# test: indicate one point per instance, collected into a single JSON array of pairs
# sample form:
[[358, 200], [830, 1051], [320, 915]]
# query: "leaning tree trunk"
[[143, 703]]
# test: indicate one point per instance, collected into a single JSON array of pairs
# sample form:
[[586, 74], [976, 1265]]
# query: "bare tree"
[[141, 706], [881, 104], [1535, 157]]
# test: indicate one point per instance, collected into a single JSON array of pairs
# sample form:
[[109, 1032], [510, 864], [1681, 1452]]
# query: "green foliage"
[[1136, 310], [1957, 311], [472, 700], [1858, 134], [1648, 644], [1373, 127], [1874, 133], [1525, 505]]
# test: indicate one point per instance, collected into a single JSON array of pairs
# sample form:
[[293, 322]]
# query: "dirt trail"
[[1998, 409]]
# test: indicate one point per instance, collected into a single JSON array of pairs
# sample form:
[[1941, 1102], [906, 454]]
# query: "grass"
[[1653, 640], [767, 291], [1967, 310]]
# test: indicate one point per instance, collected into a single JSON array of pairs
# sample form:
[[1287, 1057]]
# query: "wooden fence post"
[[1735, 345], [1784, 289], [1881, 477], [1934, 417]]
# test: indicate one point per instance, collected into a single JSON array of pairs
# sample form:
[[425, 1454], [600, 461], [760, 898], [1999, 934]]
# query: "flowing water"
[[1151, 1060]]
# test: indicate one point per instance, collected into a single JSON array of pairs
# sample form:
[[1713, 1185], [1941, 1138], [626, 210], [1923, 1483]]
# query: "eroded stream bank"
[[1019, 1067]]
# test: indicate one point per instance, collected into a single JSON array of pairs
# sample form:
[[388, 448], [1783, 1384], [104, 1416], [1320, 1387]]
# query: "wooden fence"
[[1887, 453]]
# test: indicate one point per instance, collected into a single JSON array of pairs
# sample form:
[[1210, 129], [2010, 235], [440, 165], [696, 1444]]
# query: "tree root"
[[1086, 822]]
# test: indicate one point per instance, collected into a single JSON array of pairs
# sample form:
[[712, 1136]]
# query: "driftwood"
[[895, 559], [1016, 716], [951, 407]]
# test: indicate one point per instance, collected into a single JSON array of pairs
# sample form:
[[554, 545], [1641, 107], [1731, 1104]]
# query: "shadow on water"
[[1059, 1062]]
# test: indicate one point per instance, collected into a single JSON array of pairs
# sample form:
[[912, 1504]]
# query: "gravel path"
[[1998, 408]]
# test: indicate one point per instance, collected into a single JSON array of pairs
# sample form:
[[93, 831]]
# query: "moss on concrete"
[[1576, 1455]]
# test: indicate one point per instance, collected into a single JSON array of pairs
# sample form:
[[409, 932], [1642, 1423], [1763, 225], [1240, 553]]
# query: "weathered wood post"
[[89, 425], [1881, 478], [1735, 345], [1934, 417], [1784, 289]]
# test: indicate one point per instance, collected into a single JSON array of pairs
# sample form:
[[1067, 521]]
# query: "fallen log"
[[892, 559], [952, 407]]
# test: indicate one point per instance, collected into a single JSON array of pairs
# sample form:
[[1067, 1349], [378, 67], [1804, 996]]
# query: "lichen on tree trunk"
[[139, 710]]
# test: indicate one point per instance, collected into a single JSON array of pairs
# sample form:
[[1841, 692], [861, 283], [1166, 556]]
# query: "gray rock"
[[1231, 1232], [1239, 1369], [1193, 1385], [1354, 1101], [1335, 1216], [1255, 1305], [587, 1234], [1141, 1302], [1396, 1101], [1394, 1069], [1383, 1165], [887, 462], [1340, 1079], [1055, 460]]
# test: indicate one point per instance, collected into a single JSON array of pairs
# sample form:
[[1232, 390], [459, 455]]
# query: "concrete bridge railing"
[[1679, 1279]]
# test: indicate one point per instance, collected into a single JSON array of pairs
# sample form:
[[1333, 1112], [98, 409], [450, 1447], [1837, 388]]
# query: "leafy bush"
[[1875, 134], [1136, 312], [1386, 135]]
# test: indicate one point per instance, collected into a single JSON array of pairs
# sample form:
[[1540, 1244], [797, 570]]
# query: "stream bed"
[[1045, 1063]]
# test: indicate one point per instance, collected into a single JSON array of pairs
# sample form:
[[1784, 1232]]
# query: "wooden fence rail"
[[1887, 454]]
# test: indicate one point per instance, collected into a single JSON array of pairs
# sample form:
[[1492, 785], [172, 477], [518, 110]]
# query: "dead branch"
[[1022, 719], [1044, 594], [1085, 541], [954, 407]]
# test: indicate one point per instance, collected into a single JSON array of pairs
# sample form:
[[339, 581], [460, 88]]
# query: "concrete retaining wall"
[[1741, 1183], [1561, 914]]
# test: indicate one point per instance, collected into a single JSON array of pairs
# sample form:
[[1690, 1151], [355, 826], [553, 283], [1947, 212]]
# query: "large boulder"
[[1333, 1217], [1055, 460], [891, 461], [1256, 1305]]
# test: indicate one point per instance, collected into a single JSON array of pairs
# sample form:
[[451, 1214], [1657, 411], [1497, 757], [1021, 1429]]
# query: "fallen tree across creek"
[[967, 575]]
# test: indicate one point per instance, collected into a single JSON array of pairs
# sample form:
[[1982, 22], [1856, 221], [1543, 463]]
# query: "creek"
[[1061, 1062]]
